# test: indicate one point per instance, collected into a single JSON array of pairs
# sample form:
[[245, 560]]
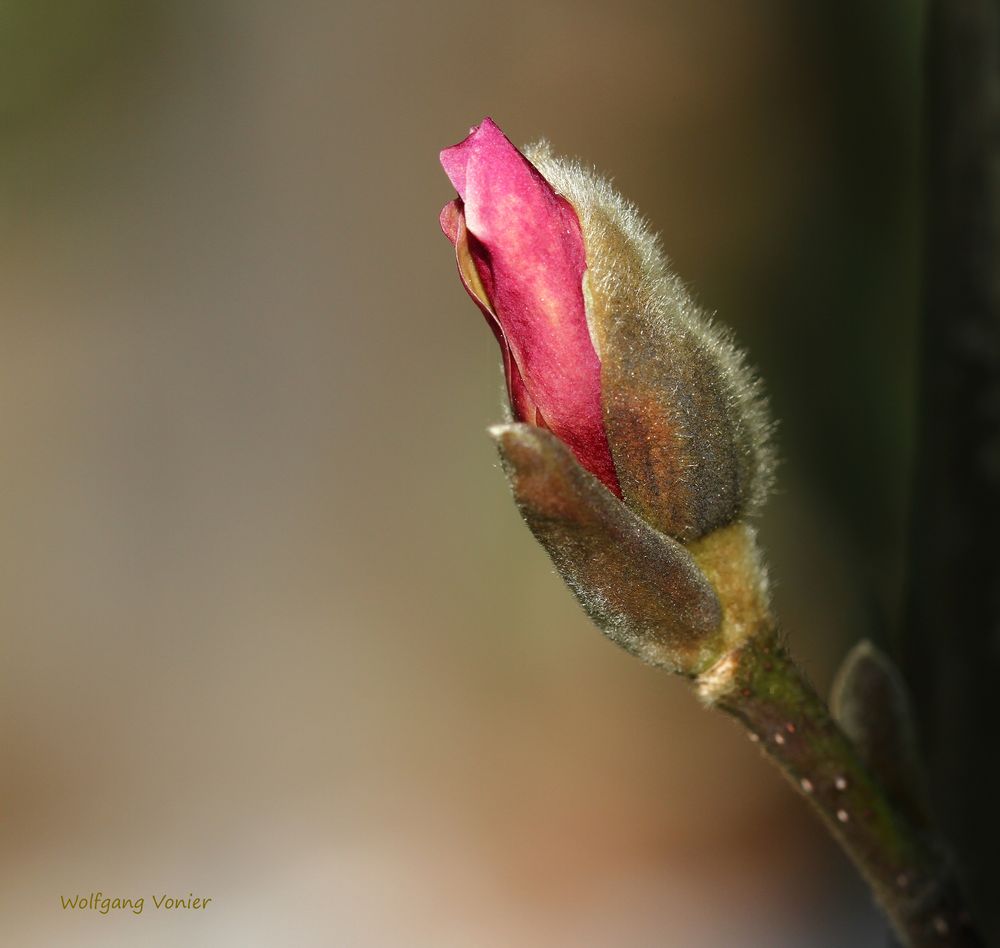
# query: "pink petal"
[[528, 251], [453, 225]]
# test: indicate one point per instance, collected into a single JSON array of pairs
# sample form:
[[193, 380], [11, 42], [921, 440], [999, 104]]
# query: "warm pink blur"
[[272, 631]]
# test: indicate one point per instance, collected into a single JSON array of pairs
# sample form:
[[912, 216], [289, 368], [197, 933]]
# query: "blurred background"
[[273, 632]]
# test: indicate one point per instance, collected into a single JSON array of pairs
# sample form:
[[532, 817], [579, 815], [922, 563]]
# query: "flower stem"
[[908, 872]]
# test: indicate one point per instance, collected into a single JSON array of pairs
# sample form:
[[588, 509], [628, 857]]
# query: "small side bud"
[[641, 588], [870, 701]]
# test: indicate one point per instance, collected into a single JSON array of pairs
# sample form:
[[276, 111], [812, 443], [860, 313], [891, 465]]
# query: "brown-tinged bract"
[[642, 589], [684, 415]]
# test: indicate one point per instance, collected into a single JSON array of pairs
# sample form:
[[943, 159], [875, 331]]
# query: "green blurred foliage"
[[49, 51]]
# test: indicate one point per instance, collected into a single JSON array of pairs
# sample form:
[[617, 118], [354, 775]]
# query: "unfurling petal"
[[523, 241]]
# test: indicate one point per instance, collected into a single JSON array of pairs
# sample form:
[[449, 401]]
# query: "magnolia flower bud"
[[603, 347]]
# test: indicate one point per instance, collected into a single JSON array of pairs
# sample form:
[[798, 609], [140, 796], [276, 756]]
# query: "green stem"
[[759, 685]]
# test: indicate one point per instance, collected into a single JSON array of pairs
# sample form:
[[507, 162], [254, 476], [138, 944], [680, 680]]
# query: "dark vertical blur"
[[951, 633], [272, 630]]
